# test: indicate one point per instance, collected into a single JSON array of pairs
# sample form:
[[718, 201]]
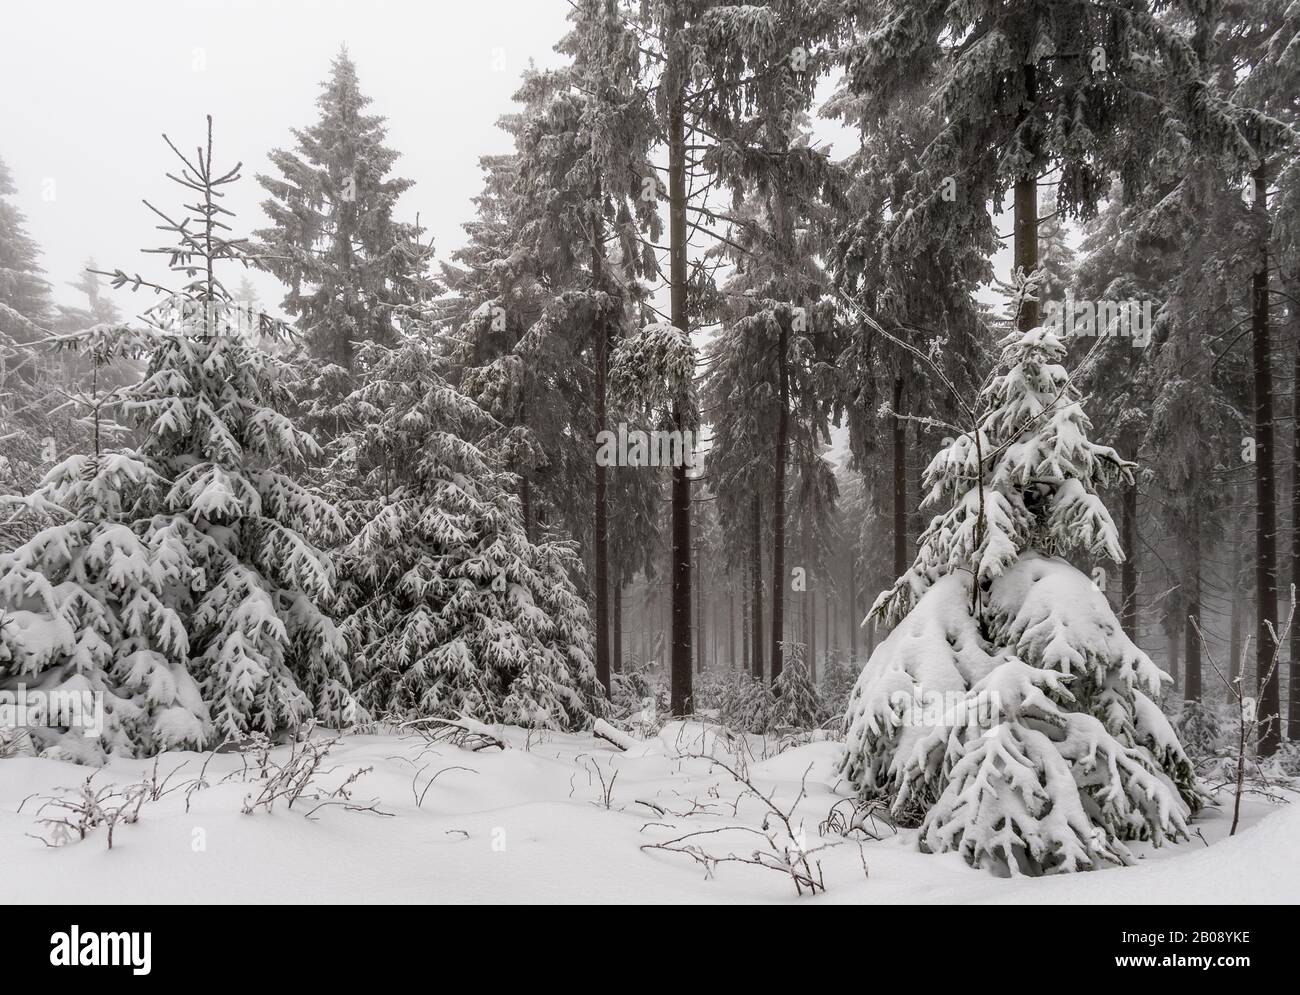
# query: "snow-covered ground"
[[531, 824]]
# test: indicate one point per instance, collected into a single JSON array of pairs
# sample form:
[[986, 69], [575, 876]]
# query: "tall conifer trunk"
[[854, 621], [810, 616], [602, 511], [1026, 212], [1294, 693], [778, 504], [1128, 569], [900, 482], [681, 678], [756, 579], [731, 628], [1270, 735], [784, 232], [1239, 622], [1191, 641], [1293, 705], [616, 661], [746, 610], [1173, 645], [700, 642]]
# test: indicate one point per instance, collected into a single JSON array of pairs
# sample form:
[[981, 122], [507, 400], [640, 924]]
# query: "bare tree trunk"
[[1293, 694], [699, 612], [682, 682], [1191, 641], [854, 621], [1172, 646], [713, 633], [829, 635], [1026, 215], [916, 517], [1239, 624], [602, 511], [643, 618], [778, 502], [617, 661], [826, 634], [783, 230], [746, 611], [526, 504], [666, 632], [810, 614], [756, 577], [344, 233], [1235, 629], [731, 627], [900, 482], [1128, 569], [1270, 735]]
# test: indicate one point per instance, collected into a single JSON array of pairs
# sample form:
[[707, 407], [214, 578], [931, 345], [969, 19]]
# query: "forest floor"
[[552, 818]]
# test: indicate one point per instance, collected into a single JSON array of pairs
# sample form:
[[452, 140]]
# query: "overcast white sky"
[[89, 86]]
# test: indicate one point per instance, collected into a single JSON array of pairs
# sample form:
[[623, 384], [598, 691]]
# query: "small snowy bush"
[[1202, 729], [635, 697], [797, 704], [745, 703], [837, 682]]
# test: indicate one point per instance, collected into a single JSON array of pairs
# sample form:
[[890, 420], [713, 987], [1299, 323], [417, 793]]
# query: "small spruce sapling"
[[183, 580]]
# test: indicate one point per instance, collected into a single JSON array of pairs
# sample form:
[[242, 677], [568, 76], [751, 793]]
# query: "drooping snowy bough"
[[1008, 710]]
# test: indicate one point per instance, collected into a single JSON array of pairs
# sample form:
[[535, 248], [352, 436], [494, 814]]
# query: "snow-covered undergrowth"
[[552, 818]]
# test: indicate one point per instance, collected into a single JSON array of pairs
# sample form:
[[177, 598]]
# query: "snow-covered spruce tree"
[[352, 268], [581, 205], [85, 603], [333, 239], [26, 315], [796, 702], [451, 609], [26, 309], [1007, 704], [745, 703], [495, 298], [838, 678], [184, 581]]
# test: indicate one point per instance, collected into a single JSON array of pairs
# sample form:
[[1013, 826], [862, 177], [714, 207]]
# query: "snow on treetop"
[[1024, 475]]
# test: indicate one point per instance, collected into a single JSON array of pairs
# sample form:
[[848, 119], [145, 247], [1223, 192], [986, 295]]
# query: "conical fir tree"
[[452, 609], [333, 239], [25, 305], [1008, 706], [26, 312], [87, 604], [797, 703], [185, 580]]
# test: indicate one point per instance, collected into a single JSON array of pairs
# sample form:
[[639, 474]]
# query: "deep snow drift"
[[531, 824]]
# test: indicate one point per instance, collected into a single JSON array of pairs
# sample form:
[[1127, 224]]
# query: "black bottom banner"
[[146, 944]]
